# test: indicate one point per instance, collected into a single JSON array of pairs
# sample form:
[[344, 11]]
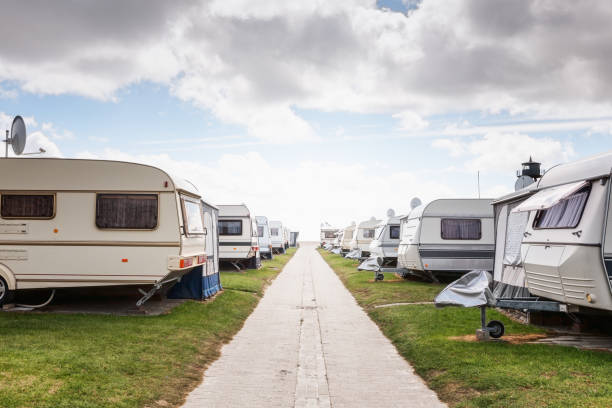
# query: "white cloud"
[[257, 63], [410, 121], [503, 152]]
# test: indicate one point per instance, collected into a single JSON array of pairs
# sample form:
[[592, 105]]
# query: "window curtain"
[[461, 229], [27, 206], [126, 211], [565, 214], [230, 227]]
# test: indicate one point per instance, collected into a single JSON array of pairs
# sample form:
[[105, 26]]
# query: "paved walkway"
[[308, 344]]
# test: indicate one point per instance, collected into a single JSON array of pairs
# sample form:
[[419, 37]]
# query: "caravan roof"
[[593, 167], [234, 210], [78, 174], [457, 207], [371, 223]]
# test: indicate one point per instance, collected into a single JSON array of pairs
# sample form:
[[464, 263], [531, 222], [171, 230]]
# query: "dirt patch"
[[510, 338], [386, 281], [456, 392]]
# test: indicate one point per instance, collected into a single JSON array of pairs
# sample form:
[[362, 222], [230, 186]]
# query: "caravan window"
[[330, 234], [126, 211], [230, 227], [274, 232], [27, 206], [192, 217], [260, 231], [394, 232], [565, 214], [453, 228], [369, 233]]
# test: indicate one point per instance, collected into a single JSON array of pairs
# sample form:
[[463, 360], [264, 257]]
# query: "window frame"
[[373, 236], [184, 198], [460, 219], [98, 194], [539, 213], [23, 193], [232, 235], [399, 231]]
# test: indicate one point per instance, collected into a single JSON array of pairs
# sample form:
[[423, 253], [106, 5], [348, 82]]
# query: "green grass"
[[471, 374], [369, 293], [53, 360]]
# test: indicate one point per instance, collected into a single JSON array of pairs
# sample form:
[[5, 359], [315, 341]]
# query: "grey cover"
[[371, 264], [328, 247], [471, 290], [354, 254], [336, 251]]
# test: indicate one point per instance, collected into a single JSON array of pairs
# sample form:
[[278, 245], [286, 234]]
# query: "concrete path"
[[308, 344]]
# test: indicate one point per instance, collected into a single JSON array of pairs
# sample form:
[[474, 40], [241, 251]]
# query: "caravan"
[[276, 237], [363, 236], [328, 234], [447, 237], [566, 248], [347, 238], [386, 239], [238, 237], [263, 237], [77, 223]]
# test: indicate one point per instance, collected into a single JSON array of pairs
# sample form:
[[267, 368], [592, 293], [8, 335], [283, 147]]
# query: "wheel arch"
[[8, 276]]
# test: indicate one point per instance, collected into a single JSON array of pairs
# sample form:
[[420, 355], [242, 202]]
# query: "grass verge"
[[470, 374], [53, 360]]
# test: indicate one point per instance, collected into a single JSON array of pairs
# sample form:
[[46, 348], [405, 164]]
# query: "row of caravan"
[[444, 237], [550, 240], [83, 223]]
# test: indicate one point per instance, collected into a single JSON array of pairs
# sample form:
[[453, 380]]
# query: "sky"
[[317, 111]]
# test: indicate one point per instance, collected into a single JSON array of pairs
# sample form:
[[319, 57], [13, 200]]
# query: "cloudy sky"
[[312, 111]]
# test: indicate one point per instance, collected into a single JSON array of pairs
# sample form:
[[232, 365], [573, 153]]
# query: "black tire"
[[6, 295], [380, 276], [496, 329]]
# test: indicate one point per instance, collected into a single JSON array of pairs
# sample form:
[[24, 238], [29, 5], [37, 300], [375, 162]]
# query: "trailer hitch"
[[146, 295]]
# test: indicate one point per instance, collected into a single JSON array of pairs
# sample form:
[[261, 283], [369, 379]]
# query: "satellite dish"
[[415, 202], [390, 213], [522, 182], [18, 135]]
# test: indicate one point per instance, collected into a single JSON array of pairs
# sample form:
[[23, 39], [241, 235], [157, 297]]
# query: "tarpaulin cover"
[[336, 251], [471, 290], [354, 254], [328, 247], [196, 285], [370, 264]]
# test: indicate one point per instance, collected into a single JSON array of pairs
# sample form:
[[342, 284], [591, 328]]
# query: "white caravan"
[[77, 223], [386, 240], [238, 237], [363, 236], [347, 238], [567, 243], [276, 237], [447, 236], [328, 234], [264, 239]]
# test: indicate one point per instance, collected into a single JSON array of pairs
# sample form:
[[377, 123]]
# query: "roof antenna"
[[478, 183]]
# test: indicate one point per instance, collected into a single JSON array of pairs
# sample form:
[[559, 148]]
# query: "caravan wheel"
[[5, 294], [496, 329]]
